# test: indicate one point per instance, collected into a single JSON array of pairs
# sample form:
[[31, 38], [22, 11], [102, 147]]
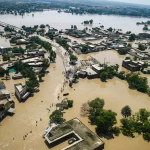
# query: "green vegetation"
[[63, 43], [42, 26], [84, 48], [27, 72], [132, 37], [88, 22], [6, 57], [128, 32], [123, 51], [138, 123], [73, 57], [2, 72], [135, 81], [8, 29], [70, 103], [45, 45], [103, 119], [13, 40], [109, 72], [145, 27], [142, 47], [121, 75], [110, 29], [16, 50], [57, 117], [126, 111], [15, 8]]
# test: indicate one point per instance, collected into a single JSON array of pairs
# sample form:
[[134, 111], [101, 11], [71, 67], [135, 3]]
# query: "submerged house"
[[7, 105], [21, 92], [75, 134], [131, 65]]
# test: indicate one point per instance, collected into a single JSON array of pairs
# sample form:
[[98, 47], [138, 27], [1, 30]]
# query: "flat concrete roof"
[[19, 87], [97, 67], [85, 138]]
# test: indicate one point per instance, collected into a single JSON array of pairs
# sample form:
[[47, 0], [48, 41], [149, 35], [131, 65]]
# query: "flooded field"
[[65, 20]]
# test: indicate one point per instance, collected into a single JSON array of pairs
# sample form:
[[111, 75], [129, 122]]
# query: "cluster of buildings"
[[142, 55], [7, 105]]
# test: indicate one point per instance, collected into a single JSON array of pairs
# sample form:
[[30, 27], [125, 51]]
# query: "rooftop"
[[85, 138], [19, 87], [98, 67]]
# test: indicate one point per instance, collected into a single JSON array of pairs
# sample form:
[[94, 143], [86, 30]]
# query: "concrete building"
[[2, 85], [131, 65], [76, 133], [97, 68], [21, 92]]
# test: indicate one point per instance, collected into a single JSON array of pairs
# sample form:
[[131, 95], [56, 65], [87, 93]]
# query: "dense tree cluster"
[[103, 119], [138, 82], [45, 45], [135, 81], [137, 123], [109, 72], [57, 117], [132, 37], [63, 43], [6, 57], [16, 50], [2, 72], [79, 8]]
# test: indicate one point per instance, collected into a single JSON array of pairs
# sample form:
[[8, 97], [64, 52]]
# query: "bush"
[[70, 103]]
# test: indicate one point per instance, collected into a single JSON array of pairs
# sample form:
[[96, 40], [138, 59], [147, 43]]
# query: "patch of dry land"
[[115, 92]]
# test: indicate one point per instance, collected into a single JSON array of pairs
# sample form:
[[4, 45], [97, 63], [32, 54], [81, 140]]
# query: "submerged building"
[[77, 135], [21, 91]]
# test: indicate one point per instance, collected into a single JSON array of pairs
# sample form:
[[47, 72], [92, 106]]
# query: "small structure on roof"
[[77, 134]]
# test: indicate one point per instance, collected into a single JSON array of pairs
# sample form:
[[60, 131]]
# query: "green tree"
[[57, 117], [142, 47], [73, 57], [105, 121], [70, 103], [110, 29], [126, 111], [104, 76], [132, 37], [121, 75], [91, 21]]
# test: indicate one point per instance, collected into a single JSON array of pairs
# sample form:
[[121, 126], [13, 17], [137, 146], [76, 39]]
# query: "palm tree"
[[126, 111]]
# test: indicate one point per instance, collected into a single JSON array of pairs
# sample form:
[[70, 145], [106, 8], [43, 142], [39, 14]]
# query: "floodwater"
[[65, 20], [115, 92]]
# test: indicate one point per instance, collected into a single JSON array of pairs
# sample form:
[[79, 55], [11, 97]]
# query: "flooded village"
[[45, 69]]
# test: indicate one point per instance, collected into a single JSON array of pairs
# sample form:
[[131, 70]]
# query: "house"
[[97, 68], [75, 134], [21, 41], [2, 85], [17, 76], [2, 50], [91, 74], [21, 91], [131, 65], [6, 106], [144, 35]]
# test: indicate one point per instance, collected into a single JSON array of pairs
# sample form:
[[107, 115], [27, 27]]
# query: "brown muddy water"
[[115, 92], [65, 20]]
